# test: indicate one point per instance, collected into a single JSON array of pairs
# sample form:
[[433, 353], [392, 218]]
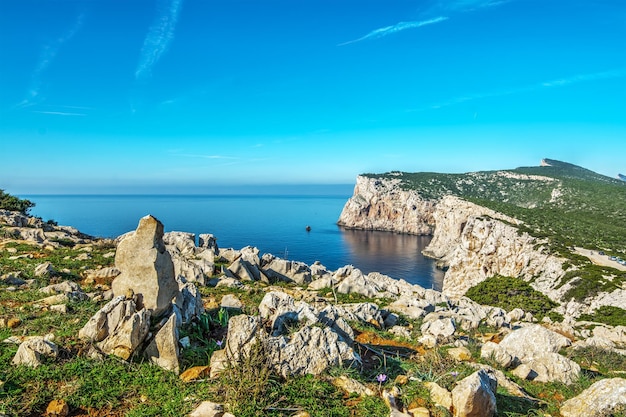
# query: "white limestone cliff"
[[474, 243], [381, 204]]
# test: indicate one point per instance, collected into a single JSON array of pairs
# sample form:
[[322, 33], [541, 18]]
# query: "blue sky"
[[183, 95]]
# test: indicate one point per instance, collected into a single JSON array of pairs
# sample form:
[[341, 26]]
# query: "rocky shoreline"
[[154, 290]]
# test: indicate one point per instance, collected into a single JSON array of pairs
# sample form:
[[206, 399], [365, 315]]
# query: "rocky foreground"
[[479, 357]]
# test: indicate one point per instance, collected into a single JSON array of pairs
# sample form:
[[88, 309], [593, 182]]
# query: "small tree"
[[10, 202]]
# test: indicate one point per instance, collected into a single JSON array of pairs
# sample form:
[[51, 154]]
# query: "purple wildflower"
[[381, 378]]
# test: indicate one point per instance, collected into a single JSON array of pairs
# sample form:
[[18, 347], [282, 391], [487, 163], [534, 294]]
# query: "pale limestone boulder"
[[33, 352], [63, 287], [352, 386], [411, 307], [439, 395], [517, 314], [245, 271], [617, 334], [298, 350], [183, 243], [208, 409], [400, 331], [355, 282], [106, 274], [460, 353], [550, 366], [497, 353], [188, 302], [278, 269], [441, 329], [318, 270], [225, 282], [163, 349], [600, 399], [533, 340], [474, 396], [117, 328], [231, 301], [285, 314], [311, 350], [146, 266], [44, 269], [208, 241]]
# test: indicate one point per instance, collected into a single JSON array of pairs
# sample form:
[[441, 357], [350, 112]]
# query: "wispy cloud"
[[561, 82], [203, 156], [47, 56], [59, 113], [159, 37], [398, 27], [438, 12]]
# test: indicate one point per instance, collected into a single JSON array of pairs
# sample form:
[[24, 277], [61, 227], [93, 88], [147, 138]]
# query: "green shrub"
[[10, 202], [613, 316], [509, 293]]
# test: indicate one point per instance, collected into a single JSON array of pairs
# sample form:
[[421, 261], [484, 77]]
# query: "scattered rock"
[[498, 354], [474, 396], [44, 269], [460, 354], [58, 408], [352, 386], [195, 373], [33, 351], [231, 301], [163, 350], [439, 395], [208, 409], [600, 399], [13, 322], [117, 328]]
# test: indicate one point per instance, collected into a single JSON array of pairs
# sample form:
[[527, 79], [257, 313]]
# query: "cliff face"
[[475, 243], [380, 204], [470, 241]]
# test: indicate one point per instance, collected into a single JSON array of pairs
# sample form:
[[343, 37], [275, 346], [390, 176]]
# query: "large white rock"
[[533, 340], [146, 267], [600, 399], [474, 396]]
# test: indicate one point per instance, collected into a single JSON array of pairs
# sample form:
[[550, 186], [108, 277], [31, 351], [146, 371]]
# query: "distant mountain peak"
[[621, 177]]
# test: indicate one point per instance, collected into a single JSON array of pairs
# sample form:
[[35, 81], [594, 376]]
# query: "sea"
[[275, 224]]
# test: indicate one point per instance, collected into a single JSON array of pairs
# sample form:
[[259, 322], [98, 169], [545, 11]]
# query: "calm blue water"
[[274, 224]]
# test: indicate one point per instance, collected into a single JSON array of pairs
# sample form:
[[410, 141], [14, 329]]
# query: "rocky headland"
[[473, 242]]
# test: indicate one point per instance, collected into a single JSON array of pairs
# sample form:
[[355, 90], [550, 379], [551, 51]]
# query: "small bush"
[[509, 293], [613, 316]]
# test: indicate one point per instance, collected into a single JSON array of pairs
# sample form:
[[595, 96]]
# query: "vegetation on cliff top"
[[564, 203], [10, 202]]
